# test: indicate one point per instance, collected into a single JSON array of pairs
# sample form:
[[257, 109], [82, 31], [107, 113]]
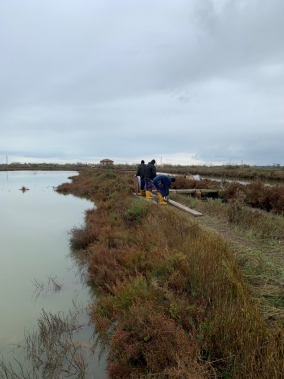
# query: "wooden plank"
[[209, 191], [184, 208], [194, 190], [182, 190], [174, 203]]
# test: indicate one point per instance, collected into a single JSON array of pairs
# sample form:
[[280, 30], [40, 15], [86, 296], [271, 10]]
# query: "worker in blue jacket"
[[163, 183]]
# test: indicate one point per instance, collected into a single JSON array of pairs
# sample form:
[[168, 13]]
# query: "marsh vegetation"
[[180, 297], [268, 173], [51, 350]]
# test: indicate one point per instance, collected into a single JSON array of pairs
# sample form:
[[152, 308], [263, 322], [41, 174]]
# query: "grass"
[[257, 241], [52, 350], [175, 299]]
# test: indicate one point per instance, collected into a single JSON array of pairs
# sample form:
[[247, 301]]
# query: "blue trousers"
[[149, 186]]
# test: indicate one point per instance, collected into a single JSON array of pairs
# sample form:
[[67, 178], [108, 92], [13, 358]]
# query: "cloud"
[[202, 80]]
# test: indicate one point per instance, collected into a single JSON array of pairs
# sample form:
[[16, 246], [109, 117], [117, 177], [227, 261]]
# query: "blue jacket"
[[163, 183]]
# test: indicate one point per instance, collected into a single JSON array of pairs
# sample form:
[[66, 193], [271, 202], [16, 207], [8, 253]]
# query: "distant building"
[[105, 162]]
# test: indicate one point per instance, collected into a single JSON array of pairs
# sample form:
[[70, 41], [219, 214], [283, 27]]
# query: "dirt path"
[[223, 230]]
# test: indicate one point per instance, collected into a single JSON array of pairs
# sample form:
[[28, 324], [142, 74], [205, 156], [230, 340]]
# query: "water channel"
[[231, 179], [34, 251]]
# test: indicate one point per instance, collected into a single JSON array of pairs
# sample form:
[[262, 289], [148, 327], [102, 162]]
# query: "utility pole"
[[7, 160]]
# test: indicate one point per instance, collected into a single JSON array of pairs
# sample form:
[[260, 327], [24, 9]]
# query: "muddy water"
[[34, 247]]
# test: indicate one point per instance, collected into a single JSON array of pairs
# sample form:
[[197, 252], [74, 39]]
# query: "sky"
[[180, 81]]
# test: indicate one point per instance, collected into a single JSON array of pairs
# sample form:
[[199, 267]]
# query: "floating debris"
[[189, 176], [24, 189]]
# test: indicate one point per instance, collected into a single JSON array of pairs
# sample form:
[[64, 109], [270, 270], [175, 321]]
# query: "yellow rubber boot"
[[161, 200], [148, 194], [142, 192]]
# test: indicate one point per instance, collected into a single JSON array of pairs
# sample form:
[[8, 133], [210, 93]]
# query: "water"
[[228, 180], [245, 181], [34, 247], [219, 179]]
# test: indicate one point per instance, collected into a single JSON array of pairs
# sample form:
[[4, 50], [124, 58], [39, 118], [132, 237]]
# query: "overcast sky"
[[180, 81]]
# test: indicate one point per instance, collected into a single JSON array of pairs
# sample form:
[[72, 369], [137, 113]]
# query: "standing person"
[[149, 175], [140, 172], [163, 183]]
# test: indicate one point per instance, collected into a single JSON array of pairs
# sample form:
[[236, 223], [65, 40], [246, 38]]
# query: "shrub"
[[137, 210]]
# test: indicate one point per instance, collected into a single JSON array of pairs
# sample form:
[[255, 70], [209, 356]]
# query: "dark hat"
[[142, 161], [153, 161]]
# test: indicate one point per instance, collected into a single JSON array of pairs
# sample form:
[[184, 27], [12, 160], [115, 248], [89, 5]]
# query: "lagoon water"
[[34, 246]]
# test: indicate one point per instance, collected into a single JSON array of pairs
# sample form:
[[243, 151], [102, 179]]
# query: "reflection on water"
[[36, 270]]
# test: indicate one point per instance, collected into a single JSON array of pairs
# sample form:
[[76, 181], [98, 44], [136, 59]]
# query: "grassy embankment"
[[173, 302]]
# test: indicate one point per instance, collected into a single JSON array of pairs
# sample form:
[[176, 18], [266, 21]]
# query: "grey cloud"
[[125, 78]]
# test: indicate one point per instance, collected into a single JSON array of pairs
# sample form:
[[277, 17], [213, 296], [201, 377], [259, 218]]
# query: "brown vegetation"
[[172, 301], [182, 183], [257, 195]]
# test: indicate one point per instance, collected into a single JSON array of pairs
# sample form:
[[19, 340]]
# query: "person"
[[163, 183], [140, 172], [149, 175]]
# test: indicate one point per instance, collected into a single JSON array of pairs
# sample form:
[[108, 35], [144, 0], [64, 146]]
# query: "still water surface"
[[34, 245]]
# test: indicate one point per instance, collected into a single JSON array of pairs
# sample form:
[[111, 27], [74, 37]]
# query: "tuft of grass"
[[137, 210]]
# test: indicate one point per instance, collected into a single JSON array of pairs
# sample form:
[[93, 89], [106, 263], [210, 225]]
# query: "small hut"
[[106, 162]]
